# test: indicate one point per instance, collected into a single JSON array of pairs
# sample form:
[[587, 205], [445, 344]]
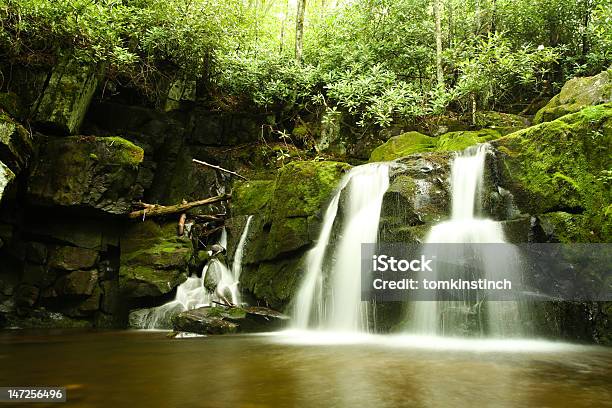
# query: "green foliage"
[[372, 59]]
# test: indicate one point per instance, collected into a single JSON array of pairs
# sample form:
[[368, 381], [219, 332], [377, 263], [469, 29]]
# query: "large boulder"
[[562, 169], [403, 145], [576, 94], [85, 171], [418, 196], [66, 97], [410, 143], [154, 260], [219, 320], [287, 216]]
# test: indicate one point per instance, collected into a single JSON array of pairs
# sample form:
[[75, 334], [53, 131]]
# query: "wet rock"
[[77, 283], [65, 99], [218, 320], [85, 171], [153, 259], [576, 94], [71, 258], [416, 198]]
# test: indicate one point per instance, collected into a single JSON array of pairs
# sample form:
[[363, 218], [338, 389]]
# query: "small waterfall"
[[237, 263], [340, 308], [194, 292], [444, 317]]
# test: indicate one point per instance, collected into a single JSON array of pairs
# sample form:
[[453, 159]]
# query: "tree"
[[299, 30], [438, 18]]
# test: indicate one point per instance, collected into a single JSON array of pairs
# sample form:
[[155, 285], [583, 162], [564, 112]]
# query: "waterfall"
[[444, 317], [339, 308], [193, 293], [237, 263]]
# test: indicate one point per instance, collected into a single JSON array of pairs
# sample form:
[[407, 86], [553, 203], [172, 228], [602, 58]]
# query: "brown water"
[[133, 369]]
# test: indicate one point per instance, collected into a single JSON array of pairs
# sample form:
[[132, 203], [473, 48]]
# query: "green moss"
[[567, 228], [301, 188], [124, 150], [414, 142], [455, 141], [403, 145], [558, 165], [251, 197], [577, 94]]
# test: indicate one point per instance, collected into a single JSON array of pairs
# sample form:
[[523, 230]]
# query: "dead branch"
[[155, 210], [212, 166]]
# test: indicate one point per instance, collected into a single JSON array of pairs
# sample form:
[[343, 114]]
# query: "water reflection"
[[122, 369]]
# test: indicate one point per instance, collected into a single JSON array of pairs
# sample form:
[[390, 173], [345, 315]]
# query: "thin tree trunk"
[[283, 24], [299, 30], [473, 97], [438, 18]]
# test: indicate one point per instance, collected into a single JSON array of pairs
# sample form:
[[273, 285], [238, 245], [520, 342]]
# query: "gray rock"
[[219, 320]]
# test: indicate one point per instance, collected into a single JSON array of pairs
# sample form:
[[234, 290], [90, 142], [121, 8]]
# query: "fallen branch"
[[205, 217], [212, 166], [154, 210]]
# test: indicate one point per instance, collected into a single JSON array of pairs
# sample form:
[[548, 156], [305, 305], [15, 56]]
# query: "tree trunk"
[[299, 30], [438, 18], [154, 210]]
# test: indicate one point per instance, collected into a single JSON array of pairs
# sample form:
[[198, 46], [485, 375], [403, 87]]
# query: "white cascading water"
[[237, 263], [340, 308], [192, 293], [437, 317]]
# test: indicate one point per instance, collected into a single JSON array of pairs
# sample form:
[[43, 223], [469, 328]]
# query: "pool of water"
[[146, 368]]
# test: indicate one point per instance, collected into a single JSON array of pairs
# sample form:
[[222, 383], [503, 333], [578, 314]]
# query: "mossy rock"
[[251, 197], [564, 166], [84, 171], [403, 145], [222, 320], [576, 94], [301, 188], [456, 141], [65, 99], [410, 143], [500, 121], [563, 227], [154, 260], [16, 144]]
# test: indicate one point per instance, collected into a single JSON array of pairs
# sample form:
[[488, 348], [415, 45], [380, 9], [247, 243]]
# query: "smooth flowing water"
[[339, 307], [193, 293], [465, 227], [145, 368], [237, 263]]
